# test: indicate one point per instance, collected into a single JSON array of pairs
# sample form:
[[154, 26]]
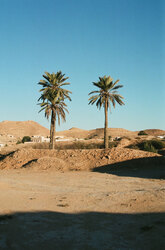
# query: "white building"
[[161, 136], [38, 138]]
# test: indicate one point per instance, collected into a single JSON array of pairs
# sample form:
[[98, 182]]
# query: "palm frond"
[[53, 95], [107, 92], [93, 92], [118, 99], [93, 99], [117, 87]]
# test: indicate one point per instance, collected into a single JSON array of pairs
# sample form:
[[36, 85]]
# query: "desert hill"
[[154, 132], [99, 132], [114, 132], [30, 128], [95, 133], [22, 128], [74, 132]]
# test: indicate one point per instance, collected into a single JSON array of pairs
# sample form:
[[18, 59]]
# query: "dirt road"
[[80, 210]]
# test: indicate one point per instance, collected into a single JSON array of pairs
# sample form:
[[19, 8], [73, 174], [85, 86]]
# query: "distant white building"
[[65, 139], [38, 139], [2, 145], [161, 136]]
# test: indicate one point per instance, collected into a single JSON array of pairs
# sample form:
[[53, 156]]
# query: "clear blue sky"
[[84, 39]]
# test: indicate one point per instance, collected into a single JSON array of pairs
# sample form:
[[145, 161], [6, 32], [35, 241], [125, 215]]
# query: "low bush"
[[109, 137], [158, 144], [142, 133], [113, 144], [26, 139], [80, 145], [150, 145], [75, 145], [18, 142], [147, 146], [92, 136]]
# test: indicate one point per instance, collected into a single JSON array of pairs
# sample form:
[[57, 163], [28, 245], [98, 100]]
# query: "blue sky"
[[84, 39]]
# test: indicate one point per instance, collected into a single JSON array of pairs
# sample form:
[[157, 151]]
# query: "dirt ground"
[[81, 199]]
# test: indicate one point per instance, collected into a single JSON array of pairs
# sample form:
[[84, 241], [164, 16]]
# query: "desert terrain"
[[82, 198]]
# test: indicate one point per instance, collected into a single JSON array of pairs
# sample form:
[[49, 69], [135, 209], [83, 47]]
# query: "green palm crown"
[[107, 93]]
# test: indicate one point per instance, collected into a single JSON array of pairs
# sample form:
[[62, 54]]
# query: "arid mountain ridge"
[[22, 128], [31, 128]]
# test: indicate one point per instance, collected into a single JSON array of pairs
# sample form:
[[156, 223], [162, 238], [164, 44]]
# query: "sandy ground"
[[81, 199], [80, 210]]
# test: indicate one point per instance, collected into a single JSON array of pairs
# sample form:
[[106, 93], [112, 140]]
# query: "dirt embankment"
[[67, 160]]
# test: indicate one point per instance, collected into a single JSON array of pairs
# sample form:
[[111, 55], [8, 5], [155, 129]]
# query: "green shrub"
[[92, 136], [26, 139], [113, 144], [148, 146], [75, 145], [18, 142], [158, 144], [142, 133], [80, 145]]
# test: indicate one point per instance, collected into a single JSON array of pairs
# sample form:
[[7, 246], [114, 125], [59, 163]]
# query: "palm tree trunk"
[[106, 125], [52, 131]]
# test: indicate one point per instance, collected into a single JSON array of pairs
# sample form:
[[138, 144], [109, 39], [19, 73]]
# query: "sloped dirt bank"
[[66, 160]]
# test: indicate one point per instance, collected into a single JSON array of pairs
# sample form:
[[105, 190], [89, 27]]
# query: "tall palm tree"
[[53, 97], [57, 109], [106, 95]]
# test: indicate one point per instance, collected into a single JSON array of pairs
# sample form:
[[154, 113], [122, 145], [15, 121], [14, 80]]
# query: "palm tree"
[[57, 109], [54, 82], [52, 97], [106, 95]]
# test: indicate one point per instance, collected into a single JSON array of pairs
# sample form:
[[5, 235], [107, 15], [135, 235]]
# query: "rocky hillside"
[[74, 132], [154, 132], [22, 128], [96, 133]]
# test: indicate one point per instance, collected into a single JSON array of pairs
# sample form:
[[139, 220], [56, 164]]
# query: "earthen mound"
[[69, 160], [45, 163]]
